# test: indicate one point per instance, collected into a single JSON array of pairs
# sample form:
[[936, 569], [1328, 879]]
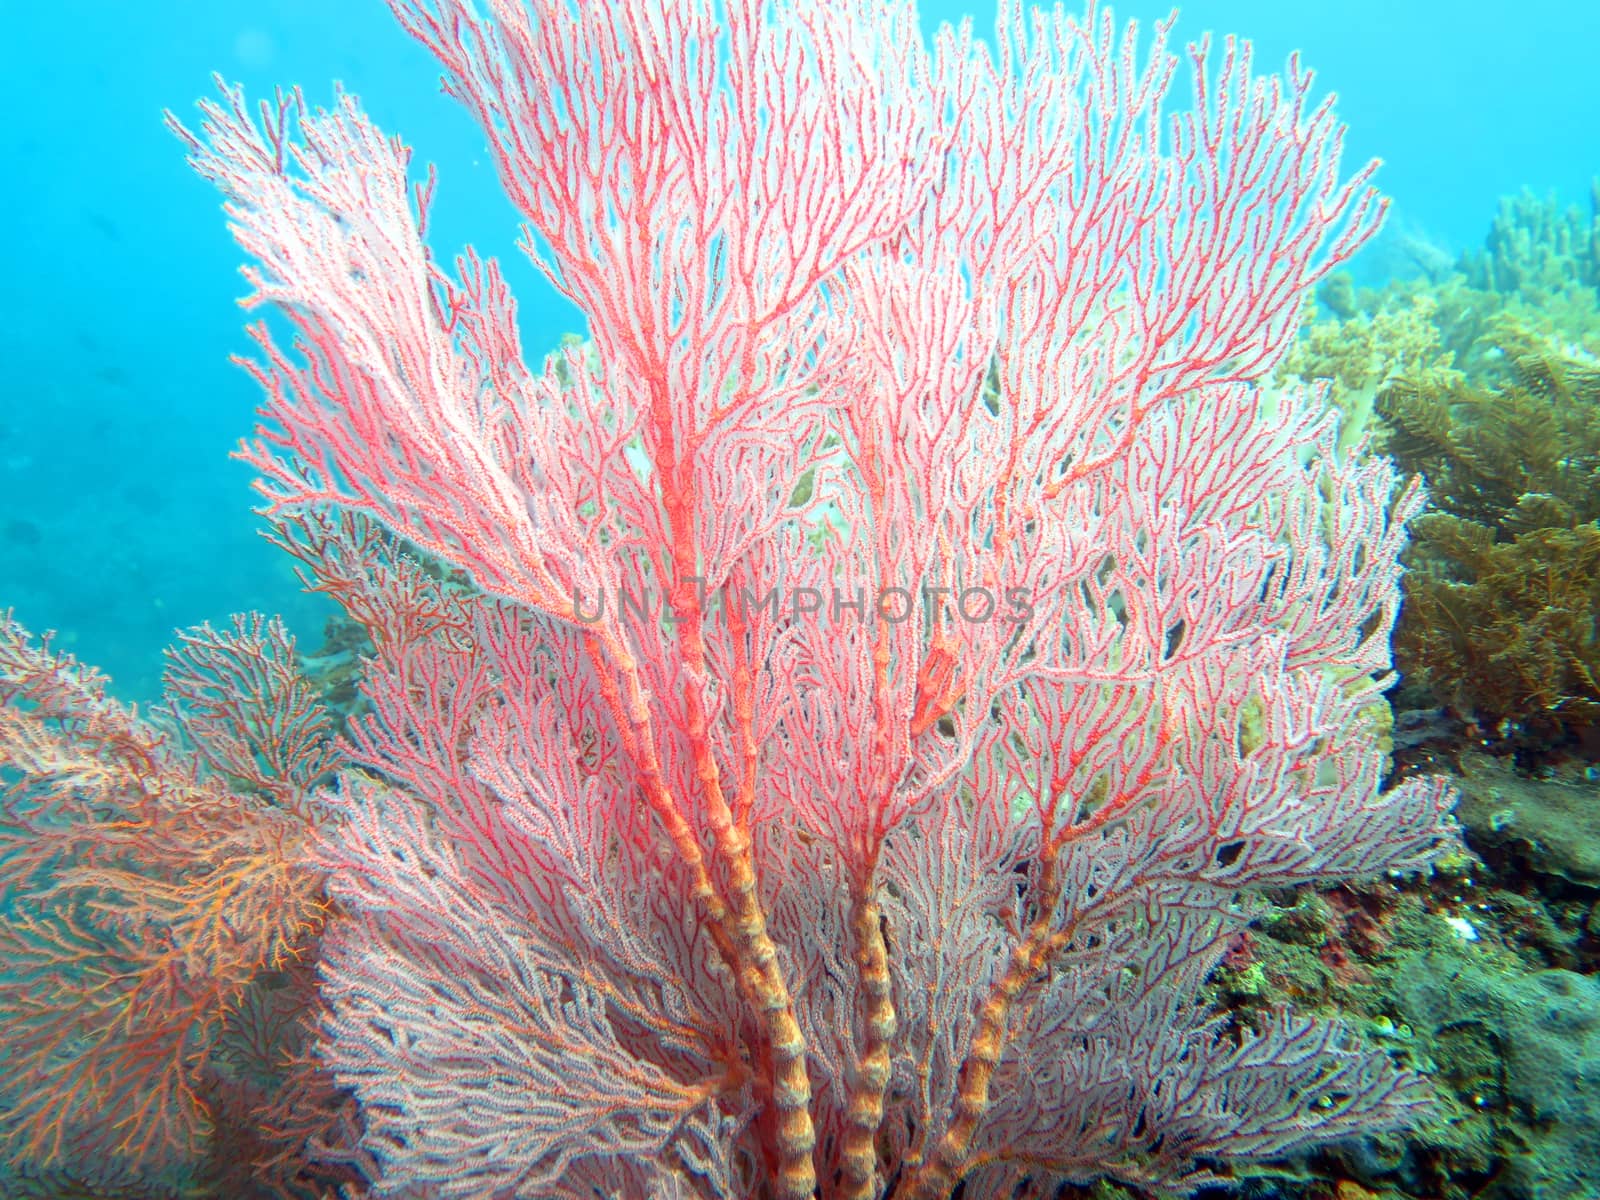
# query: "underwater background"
[[1466, 339], [122, 517]]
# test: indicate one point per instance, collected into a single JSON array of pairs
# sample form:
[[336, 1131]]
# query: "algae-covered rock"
[[1547, 826], [1524, 1050]]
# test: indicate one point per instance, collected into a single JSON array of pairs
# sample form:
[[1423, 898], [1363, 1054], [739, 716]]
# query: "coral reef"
[[1504, 590], [160, 914], [1534, 245], [1487, 384]]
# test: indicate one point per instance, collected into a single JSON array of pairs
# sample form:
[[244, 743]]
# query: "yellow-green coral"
[[1357, 353], [1503, 599], [1486, 382]]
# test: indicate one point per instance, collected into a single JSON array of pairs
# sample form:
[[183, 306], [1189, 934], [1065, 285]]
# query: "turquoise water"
[[121, 516]]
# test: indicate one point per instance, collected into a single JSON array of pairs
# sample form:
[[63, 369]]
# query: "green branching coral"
[[1358, 352], [1486, 382], [1536, 246], [1503, 599], [1512, 456], [1512, 639]]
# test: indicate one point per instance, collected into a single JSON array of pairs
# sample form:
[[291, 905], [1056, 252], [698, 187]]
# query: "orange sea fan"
[[147, 877]]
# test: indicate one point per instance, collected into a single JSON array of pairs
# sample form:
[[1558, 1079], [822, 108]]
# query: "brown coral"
[[1503, 601]]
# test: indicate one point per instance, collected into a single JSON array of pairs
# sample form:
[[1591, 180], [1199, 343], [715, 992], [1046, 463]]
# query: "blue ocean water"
[[121, 516]]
